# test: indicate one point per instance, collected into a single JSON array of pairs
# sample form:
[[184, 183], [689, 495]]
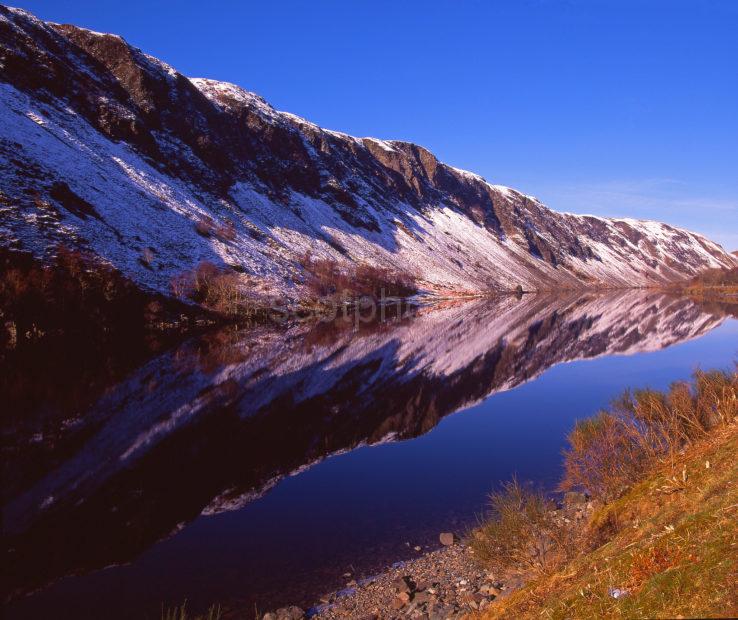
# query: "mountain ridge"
[[108, 148]]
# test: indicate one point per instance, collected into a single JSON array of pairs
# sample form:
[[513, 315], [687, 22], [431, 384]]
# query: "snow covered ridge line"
[[106, 148]]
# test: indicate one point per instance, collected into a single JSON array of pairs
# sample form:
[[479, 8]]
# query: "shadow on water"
[[211, 426]]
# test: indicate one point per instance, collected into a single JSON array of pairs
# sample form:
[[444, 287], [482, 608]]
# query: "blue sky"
[[623, 108]]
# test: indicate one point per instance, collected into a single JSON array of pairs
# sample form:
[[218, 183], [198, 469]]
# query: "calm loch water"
[[255, 468]]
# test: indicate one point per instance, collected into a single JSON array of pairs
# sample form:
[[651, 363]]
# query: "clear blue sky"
[[613, 107]]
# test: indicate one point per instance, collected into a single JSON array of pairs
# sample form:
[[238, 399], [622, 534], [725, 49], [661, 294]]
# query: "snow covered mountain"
[[108, 148]]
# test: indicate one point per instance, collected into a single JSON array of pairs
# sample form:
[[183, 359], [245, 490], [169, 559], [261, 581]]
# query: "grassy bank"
[[662, 540]]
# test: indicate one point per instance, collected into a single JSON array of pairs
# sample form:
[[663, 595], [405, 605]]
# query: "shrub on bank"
[[664, 549], [327, 278], [380, 281], [523, 531], [613, 450], [205, 226], [603, 457], [607, 455], [218, 289]]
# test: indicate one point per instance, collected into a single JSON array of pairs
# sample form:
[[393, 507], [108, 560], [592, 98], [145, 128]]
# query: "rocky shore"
[[443, 584]]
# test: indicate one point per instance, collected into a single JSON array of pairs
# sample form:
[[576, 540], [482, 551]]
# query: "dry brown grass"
[[674, 553], [523, 531], [668, 538], [610, 452], [651, 562]]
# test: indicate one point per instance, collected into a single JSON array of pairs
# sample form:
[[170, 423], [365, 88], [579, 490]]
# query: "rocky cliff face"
[[106, 147]]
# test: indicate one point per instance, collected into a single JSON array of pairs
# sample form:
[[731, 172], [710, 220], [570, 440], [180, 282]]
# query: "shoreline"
[[660, 467], [445, 583]]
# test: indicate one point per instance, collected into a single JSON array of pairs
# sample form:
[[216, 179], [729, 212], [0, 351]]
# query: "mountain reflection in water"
[[216, 423]]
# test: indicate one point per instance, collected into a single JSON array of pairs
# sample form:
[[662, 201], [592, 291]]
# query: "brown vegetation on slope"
[[662, 471], [220, 290], [524, 532], [329, 279], [611, 451]]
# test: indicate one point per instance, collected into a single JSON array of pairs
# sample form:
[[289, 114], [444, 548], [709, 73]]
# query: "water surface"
[[257, 467]]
